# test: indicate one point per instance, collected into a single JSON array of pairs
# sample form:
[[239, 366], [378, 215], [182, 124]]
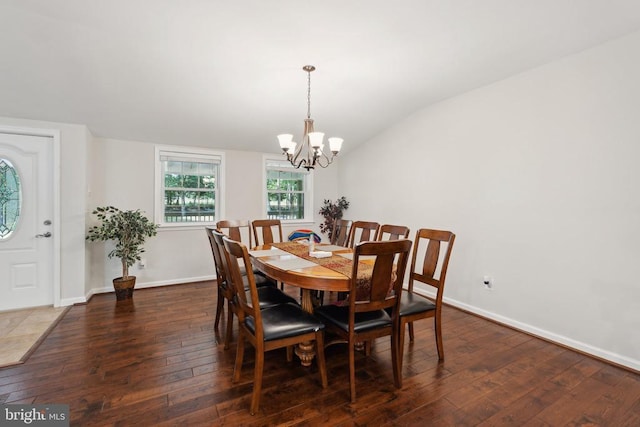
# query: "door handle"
[[47, 234]]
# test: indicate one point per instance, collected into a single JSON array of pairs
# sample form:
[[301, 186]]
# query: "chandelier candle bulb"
[[286, 140], [315, 139], [335, 144]]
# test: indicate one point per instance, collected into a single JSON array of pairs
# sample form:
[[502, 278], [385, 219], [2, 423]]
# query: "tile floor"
[[21, 329]]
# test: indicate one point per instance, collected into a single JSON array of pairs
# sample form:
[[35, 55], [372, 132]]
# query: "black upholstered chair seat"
[[270, 296], [260, 281], [412, 303], [285, 320], [339, 316]]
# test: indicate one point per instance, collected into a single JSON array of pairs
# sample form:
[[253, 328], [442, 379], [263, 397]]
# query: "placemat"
[[290, 263], [267, 252]]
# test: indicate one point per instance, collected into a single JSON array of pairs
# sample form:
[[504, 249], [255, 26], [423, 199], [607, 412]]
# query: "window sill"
[[185, 227], [296, 222]]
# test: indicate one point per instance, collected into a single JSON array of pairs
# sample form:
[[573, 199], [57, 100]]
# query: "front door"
[[26, 210]]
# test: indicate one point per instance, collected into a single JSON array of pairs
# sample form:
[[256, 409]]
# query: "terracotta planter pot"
[[124, 287]]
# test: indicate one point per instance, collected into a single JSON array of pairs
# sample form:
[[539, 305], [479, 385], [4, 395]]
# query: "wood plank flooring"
[[157, 361]]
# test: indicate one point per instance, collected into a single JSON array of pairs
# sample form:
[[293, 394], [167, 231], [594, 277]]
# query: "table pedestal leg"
[[306, 351]]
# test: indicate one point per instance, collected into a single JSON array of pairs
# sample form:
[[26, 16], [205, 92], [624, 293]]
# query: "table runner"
[[336, 263]]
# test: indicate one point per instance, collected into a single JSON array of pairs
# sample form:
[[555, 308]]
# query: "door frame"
[[54, 134]]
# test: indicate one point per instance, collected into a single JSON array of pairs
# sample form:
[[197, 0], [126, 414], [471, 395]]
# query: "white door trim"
[[54, 134]]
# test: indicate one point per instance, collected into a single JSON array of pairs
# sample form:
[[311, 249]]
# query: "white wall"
[[123, 176], [538, 176], [74, 140]]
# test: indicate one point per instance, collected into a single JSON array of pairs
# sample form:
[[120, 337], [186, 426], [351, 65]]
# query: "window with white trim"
[[288, 192], [188, 186]]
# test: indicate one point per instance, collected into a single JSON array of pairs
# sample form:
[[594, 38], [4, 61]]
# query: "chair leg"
[[322, 367], [395, 359], [227, 337], [411, 336], [401, 345], [239, 356], [352, 371], [257, 380], [219, 309], [289, 353], [438, 326]]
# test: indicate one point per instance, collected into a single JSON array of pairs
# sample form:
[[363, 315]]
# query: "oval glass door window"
[[10, 198]]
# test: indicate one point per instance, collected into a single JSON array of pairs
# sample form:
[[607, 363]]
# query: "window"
[[288, 192], [188, 186], [10, 198]]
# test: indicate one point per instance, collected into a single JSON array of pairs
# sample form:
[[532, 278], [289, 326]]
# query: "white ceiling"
[[228, 74]]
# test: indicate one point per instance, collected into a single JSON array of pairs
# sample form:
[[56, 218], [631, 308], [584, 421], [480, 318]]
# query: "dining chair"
[[269, 295], [240, 231], [282, 325], [392, 232], [362, 231], [365, 318], [340, 232], [430, 270], [267, 231], [220, 277]]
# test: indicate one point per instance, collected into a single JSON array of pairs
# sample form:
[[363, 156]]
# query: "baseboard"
[[142, 285], [72, 301], [579, 346], [174, 282]]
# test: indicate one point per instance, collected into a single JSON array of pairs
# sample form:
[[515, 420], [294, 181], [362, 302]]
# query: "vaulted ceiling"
[[228, 74]]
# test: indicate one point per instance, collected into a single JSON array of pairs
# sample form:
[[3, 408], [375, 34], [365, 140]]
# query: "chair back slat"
[[363, 231], [263, 231], [392, 232], [340, 232], [431, 258], [380, 279], [238, 230]]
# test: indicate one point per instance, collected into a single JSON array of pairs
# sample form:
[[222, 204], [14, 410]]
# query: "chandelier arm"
[[327, 159], [302, 162], [297, 152]]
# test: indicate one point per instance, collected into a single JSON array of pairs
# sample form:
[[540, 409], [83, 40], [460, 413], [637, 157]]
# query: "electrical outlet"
[[488, 282], [142, 263]]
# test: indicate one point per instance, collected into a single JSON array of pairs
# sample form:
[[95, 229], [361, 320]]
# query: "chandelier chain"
[[308, 94]]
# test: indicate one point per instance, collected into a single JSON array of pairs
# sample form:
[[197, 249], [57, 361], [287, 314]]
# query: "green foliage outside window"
[[190, 189], [285, 194]]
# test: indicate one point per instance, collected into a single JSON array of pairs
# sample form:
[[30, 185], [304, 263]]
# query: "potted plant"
[[331, 211], [129, 230]]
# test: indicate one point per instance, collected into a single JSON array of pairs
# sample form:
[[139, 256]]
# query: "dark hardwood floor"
[[157, 361]]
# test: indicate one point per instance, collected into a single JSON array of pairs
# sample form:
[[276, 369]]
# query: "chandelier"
[[310, 152]]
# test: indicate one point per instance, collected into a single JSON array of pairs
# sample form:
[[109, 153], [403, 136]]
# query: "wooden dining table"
[[281, 262]]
